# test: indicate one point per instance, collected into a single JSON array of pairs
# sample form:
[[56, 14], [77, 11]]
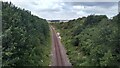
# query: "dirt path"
[[59, 57]]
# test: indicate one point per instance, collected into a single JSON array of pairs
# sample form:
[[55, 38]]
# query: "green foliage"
[[25, 38], [92, 41], [94, 19], [75, 42]]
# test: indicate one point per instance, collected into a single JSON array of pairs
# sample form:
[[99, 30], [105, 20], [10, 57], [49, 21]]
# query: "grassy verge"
[[47, 52]]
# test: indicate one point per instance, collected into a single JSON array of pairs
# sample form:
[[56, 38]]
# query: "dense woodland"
[[25, 38], [92, 40]]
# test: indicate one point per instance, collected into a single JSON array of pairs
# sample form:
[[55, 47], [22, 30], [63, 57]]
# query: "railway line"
[[59, 57]]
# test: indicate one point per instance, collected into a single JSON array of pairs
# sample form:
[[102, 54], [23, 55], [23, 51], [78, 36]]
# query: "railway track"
[[59, 57]]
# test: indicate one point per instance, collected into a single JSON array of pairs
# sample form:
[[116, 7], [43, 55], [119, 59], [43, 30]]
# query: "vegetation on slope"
[[25, 38], [92, 40]]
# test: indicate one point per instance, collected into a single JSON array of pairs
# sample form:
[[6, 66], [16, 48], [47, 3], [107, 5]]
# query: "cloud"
[[100, 4], [64, 9], [89, 0], [34, 3]]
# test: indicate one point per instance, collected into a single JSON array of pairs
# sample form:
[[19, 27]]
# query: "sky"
[[68, 9]]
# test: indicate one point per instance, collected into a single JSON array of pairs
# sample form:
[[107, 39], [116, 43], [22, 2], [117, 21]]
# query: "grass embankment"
[[25, 38], [91, 41]]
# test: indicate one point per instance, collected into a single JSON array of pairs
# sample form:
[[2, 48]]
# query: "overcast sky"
[[68, 9]]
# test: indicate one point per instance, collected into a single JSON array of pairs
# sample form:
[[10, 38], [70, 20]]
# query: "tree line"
[[92, 40], [25, 38]]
